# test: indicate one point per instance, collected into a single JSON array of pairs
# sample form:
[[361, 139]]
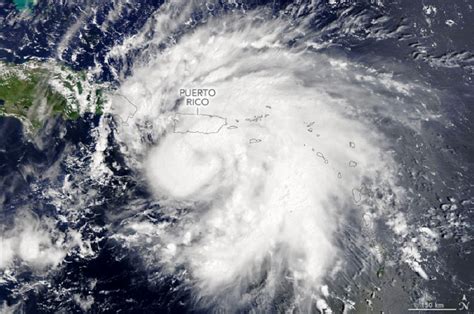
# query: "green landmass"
[[34, 92], [22, 93]]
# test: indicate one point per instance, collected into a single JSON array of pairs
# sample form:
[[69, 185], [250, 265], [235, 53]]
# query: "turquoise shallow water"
[[24, 4]]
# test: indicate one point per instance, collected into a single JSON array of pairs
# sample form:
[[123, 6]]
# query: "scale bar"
[[436, 309]]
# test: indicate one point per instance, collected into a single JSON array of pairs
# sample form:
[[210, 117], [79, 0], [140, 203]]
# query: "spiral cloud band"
[[270, 169]]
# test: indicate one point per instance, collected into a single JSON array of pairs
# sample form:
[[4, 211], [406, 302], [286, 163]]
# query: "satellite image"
[[236, 156]]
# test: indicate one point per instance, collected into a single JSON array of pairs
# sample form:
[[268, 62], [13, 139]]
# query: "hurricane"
[[234, 156], [261, 199]]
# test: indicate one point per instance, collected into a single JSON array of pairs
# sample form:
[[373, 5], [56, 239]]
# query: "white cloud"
[[259, 209], [32, 242]]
